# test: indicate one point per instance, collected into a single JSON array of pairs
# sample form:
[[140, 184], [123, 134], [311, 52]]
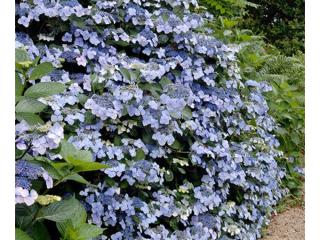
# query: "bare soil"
[[288, 225]]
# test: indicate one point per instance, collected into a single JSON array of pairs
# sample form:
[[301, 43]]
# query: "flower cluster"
[[25, 173], [153, 94]]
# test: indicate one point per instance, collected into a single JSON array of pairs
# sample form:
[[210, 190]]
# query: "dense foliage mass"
[[282, 22], [139, 112], [263, 62], [228, 8], [286, 74]]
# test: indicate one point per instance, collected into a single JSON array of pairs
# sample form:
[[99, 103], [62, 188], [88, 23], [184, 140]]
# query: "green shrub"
[[281, 22], [259, 60]]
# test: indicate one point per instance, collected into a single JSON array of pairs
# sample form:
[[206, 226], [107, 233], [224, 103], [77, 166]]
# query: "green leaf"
[[67, 231], [60, 211], [76, 221], [77, 178], [18, 98], [83, 232], [165, 81], [38, 231], [60, 171], [82, 98], [125, 73], [22, 58], [154, 88], [117, 141], [41, 70], [21, 235], [147, 136], [24, 214], [110, 182], [62, 227], [81, 166], [69, 152], [76, 21], [76, 228], [140, 155], [187, 113], [29, 105], [88, 231], [80, 217], [18, 85], [134, 74], [21, 55], [80, 159], [49, 166], [44, 89], [176, 145], [30, 118]]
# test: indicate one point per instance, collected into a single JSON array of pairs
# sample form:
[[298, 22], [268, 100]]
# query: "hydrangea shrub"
[[137, 110]]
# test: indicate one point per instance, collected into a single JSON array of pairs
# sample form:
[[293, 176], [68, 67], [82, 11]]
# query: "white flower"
[[24, 196]]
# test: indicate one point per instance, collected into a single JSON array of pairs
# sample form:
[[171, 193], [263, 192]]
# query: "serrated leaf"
[[41, 70], [59, 211], [69, 152], [48, 166], [80, 159], [18, 85], [21, 235], [77, 178], [68, 228], [30, 118], [29, 105], [62, 227], [88, 231], [44, 89], [76, 228], [81, 166], [83, 232], [80, 217]]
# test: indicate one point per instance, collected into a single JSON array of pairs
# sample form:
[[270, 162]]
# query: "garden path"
[[288, 225]]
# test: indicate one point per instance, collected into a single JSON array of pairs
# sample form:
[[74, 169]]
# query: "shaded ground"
[[288, 225]]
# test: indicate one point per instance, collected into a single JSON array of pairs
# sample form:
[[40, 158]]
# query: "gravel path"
[[288, 225]]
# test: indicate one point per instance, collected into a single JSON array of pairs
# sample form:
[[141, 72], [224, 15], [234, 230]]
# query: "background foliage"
[[239, 22], [280, 22]]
